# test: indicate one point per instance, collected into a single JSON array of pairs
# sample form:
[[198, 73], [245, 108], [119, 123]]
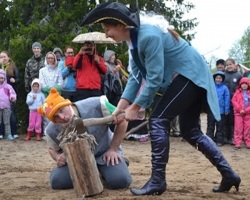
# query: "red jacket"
[[88, 72], [238, 100]]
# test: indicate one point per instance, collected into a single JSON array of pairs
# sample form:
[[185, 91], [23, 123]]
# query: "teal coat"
[[159, 58]]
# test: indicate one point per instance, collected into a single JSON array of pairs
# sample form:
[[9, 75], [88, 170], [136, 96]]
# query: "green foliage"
[[240, 50], [56, 23]]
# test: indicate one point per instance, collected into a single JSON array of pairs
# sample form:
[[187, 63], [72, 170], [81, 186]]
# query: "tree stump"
[[82, 167]]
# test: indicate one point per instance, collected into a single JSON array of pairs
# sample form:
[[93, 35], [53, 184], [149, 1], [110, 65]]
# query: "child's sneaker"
[[15, 136], [10, 138], [1, 137]]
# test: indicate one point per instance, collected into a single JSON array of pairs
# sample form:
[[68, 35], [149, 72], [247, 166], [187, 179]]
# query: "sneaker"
[[176, 134], [15, 136], [10, 138], [1, 137], [143, 139], [219, 144]]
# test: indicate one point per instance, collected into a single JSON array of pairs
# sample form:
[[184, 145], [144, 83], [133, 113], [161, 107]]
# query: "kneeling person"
[[108, 152]]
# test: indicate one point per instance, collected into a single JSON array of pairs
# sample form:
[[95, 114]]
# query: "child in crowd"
[[241, 104], [220, 65], [224, 104], [35, 99], [7, 95], [232, 78]]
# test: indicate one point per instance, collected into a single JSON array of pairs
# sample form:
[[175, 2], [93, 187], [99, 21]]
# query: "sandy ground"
[[25, 169]]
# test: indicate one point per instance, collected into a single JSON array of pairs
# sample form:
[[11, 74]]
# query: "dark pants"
[[229, 126], [115, 176], [212, 124], [185, 99], [182, 98], [84, 94], [69, 95]]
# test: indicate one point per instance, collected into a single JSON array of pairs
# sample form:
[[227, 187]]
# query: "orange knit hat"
[[52, 104]]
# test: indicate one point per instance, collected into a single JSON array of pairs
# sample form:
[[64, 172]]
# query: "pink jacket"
[[7, 93], [238, 100]]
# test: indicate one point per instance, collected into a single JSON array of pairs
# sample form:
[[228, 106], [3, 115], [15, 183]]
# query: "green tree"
[[56, 22], [240, 50]]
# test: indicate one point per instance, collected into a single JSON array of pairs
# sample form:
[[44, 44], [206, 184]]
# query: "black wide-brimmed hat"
[[113, 11]]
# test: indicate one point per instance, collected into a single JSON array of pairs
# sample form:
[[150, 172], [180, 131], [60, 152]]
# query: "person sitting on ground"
[[108, 153]]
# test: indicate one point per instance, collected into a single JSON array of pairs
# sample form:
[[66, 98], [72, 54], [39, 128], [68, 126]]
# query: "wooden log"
[[82, 167]]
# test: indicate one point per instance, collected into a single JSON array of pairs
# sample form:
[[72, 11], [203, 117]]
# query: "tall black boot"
[[160, 152], [204, 144]]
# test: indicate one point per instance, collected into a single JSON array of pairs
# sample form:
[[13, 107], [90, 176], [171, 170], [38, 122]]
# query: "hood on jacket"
[[108, 54], [36, 80], [59, 50], [3, 75], [45, 61], [244, 80], [219, 73]]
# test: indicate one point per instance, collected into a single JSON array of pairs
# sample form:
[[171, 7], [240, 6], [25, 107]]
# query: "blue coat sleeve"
[[153, 58], [227, 99]]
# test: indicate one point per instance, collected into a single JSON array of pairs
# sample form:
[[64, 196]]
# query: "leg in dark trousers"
[[169, 106], [84, 94], [229, 127], [219, 135], [211, 125]]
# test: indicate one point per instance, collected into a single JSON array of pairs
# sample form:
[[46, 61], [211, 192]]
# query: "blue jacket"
[[222, 93], [223, 97], [69, 80], [162, 57]]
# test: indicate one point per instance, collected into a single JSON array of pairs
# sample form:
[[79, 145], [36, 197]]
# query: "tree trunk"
[[82, 167]]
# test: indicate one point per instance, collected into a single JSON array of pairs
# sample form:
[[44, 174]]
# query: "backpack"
[[111, 86]]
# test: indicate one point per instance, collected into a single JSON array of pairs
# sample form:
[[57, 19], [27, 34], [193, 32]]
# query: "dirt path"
[[25, 169]]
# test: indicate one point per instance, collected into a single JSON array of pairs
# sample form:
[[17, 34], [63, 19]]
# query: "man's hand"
[[83, 50], [112, 157], [97, 58], [61, 160]]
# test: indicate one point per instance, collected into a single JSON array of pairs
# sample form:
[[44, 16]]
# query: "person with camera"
[[89, 66]]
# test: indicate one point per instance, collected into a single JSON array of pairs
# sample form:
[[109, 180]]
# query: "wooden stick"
[[132, 130], [106, 120]]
